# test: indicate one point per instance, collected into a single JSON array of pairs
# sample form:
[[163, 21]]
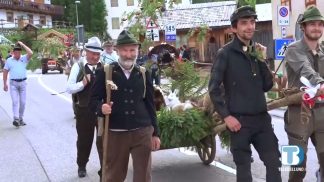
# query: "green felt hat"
[[126, 38], [311, 14]]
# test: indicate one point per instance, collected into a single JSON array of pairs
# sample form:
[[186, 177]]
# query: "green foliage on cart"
[[183, 129], [224, 137], [187, 80]]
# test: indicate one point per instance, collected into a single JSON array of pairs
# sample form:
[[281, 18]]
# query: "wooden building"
[[216, 16], [18, 13]]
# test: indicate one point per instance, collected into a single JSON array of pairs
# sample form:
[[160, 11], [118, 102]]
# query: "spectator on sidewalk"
[[186, 54], [15, 66], [1, 61], [155, 72], [9, 54], [74, 58]]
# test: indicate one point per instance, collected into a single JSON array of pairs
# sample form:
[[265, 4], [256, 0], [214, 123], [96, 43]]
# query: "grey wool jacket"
[[300, 61]]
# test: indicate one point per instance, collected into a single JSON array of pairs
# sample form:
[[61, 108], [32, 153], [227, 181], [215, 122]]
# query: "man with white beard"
[[132, 118]]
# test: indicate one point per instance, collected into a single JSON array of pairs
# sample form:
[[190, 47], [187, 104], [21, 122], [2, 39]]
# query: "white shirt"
[[17, 68], [72, 85], [127, 72]]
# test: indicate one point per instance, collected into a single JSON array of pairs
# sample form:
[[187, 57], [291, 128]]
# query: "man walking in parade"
[[133, 127], [74, 58], [239, 78], [80, 83], [16, 67], [109, 55], [306, 58]]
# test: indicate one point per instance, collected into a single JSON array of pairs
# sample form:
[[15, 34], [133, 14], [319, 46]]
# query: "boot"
[[318, 176]]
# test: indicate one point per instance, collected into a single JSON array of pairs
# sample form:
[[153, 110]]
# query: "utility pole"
[[77, 19]]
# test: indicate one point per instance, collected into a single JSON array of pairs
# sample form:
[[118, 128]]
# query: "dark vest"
[[129, 110], [83, 97]]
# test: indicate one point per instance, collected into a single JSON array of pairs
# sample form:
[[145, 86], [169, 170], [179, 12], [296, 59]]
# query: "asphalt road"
[[44, 149]]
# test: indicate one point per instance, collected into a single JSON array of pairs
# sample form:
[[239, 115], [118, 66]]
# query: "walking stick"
[[108, 70]]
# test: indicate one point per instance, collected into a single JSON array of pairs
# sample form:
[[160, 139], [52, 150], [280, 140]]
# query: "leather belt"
[[19, 80]]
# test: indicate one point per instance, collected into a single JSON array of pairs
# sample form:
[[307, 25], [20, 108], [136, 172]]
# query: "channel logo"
[[291, 155]]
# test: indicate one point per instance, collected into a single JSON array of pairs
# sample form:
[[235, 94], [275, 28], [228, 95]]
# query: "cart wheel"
[[207, 149]]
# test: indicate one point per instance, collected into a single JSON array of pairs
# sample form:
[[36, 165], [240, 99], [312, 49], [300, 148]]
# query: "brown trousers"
[[299, 132], [123, 143]]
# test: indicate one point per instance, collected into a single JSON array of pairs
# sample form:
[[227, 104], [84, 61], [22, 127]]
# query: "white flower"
[[113, 86], [245, 48]]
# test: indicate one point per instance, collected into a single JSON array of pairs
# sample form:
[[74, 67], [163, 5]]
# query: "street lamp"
[[77, 19], [76, 11]]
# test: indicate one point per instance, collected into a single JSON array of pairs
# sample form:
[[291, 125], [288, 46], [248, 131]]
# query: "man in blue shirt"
[[109, 55], [16, 67]]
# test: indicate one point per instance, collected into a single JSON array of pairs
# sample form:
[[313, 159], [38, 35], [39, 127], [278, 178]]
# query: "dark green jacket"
[[129, 110], [238, 82]]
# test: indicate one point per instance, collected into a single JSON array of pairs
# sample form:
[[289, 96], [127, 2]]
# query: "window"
[[114, 3], [115, 23], [10, 17], [30, 18], [310, 3], [286, 3], [130, 2], [42, 20]]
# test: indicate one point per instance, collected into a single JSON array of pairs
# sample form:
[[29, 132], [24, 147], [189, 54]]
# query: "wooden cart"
[[206, 148]]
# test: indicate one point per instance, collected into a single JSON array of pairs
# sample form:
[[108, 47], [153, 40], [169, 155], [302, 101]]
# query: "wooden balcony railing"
[[32, 7]]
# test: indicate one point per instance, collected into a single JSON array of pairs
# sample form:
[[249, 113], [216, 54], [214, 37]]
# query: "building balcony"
[[32, 7]]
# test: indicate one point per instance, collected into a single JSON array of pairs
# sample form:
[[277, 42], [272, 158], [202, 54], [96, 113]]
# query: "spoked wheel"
[[207, 149]]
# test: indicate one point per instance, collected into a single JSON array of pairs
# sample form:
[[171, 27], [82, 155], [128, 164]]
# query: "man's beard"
[[313, 38], [127, 64]]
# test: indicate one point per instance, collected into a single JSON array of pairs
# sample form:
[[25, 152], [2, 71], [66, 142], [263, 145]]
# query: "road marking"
[[214, 163], [40, 81], [224, 167]]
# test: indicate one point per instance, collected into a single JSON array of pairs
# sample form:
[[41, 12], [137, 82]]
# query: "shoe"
[[82, 172], [318, 176], [21, 122], [99, 173], [16, 123]]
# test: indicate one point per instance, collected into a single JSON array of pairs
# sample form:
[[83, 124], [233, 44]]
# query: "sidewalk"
[[18, 160]]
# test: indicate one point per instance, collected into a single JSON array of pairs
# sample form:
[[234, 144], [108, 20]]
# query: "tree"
[[240, 1], [92, 14], [263, 1]]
